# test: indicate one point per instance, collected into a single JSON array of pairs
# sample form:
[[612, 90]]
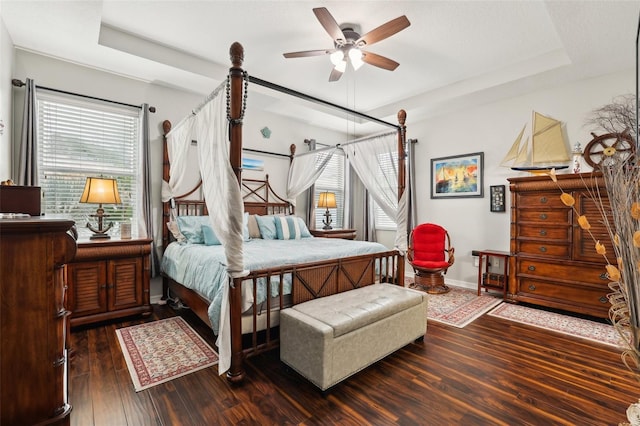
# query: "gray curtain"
[[370, 218], [412, 220], [28, 164], [311, 212], [361, 213], [147, 208]]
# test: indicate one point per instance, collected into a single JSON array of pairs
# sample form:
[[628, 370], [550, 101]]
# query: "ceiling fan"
[[348, 44]]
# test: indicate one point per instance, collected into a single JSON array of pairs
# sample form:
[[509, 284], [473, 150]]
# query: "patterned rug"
[[566, 324], [460, 306], [159, 351]]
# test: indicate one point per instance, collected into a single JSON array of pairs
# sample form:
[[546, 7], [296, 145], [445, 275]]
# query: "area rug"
[[159, 351], [460, 306], [566, 324]]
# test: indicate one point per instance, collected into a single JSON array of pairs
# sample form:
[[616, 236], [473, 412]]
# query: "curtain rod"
[[266, 152], [301, 95], [19, 83]]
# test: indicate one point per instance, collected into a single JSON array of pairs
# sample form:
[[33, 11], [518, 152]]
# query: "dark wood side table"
[[490, 281], [109, 279], [345, 234]]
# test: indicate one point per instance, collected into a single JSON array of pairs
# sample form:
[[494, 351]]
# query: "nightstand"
[[109, 279], [492, 281], [345, 234]]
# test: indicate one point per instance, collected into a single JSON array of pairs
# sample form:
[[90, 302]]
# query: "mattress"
[[203, 268]]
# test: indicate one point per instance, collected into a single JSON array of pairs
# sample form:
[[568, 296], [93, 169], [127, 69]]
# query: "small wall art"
[[252, 164], [497, 198], [459, 176]]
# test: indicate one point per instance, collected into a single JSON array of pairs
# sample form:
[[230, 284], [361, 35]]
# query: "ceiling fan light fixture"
[[347, 43], [337, 57], [355, 56], [341, 66]]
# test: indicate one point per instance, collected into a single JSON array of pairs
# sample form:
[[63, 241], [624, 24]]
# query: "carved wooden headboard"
[[257, 194]]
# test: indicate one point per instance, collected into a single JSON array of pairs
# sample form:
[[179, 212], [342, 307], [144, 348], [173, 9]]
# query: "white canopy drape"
[[208, 126], [305, 169], [375, 160]]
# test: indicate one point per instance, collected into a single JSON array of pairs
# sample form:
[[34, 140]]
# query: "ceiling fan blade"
[[335, 75], [384, 31], [329, 23], [307, 53], [379, 61]]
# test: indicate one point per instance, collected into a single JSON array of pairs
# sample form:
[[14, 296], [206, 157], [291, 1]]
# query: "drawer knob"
[[543, 232], [543, 216], [543, 249], [603, 299], [543, 199], [532, 287], [604, 276], [531, 268]]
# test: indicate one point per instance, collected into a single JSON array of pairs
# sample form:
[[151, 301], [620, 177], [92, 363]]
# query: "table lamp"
[[328, 201], [99, 190]]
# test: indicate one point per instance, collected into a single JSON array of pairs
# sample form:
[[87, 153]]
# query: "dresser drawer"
[[554, 217], [562, 233], [574, 273], [593, 296], [543, 200], [542, 248]]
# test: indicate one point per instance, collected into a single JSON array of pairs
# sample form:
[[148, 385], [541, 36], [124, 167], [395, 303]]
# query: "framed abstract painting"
[[459, 176]]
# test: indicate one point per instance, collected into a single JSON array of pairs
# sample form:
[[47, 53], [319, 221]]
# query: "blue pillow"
[[288, 228], [304, 231], [210, 237], [267, 226], [191, 227]]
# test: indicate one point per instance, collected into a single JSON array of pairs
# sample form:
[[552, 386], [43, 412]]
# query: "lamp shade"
[[327, 200], [98, 190]]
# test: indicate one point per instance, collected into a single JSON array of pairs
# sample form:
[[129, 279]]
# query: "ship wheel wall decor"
[[609, 148]]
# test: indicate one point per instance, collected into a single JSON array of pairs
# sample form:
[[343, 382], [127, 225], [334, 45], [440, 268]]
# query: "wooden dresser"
[[553, 261], [109, 279], [33, 321]]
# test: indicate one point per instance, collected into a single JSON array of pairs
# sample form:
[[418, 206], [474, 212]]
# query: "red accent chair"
[[430, 254]]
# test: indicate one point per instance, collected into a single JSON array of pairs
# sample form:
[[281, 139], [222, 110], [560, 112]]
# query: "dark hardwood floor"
[[492, 372]]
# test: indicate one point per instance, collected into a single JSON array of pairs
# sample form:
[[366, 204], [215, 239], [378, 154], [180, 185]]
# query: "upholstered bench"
[[330, 338]]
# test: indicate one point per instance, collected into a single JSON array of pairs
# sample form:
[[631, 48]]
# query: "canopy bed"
[[252, 283]]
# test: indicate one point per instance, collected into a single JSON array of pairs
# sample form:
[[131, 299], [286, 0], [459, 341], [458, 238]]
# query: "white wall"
[[492, 129], [6, 67]]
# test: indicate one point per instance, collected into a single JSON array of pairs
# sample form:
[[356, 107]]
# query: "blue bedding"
[[203, 268]]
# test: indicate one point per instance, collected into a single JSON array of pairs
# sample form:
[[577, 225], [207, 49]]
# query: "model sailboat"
[[548, 148]]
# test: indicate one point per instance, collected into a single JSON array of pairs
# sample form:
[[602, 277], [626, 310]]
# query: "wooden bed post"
[[402, 175], [236, 76]]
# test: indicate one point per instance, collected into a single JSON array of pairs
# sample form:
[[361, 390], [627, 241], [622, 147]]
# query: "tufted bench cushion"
[[330, 338]]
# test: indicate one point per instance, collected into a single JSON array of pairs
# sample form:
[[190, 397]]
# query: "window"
[[78, 138], [332, 180], [388, 164]]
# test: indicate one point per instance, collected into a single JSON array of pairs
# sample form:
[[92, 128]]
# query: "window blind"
[[78, 138], [332, 180]]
